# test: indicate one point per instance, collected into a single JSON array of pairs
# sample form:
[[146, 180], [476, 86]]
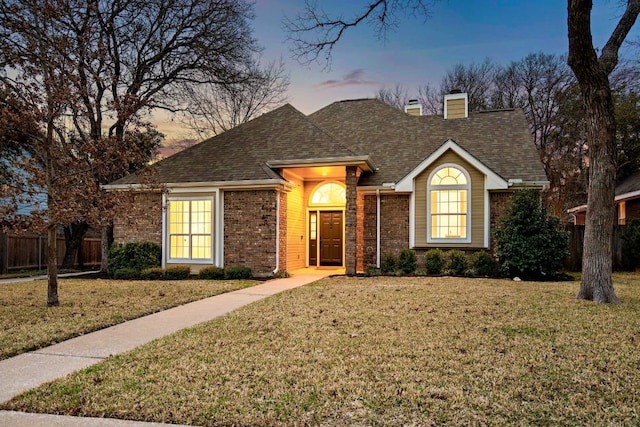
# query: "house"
[[627, 199], [339, 187]]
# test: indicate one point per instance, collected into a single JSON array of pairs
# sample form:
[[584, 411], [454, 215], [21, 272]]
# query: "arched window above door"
[[330, 194]]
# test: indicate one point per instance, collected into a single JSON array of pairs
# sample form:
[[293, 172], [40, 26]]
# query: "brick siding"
[[250, 230], [143, 222]]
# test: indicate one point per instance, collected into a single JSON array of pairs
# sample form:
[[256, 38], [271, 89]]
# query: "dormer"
[[413, 108], [456, 105]]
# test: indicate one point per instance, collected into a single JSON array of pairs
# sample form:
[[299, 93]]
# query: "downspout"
[[378, 228], [275, 270]]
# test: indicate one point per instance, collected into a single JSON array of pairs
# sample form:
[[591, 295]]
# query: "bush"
[[457, 265], [407, 261], [372, 270], [135, 256], [237, 273], [483, 264], [631, 244], [388, 263], [177, 272], [434, 261], [528, 241], [211, 273], [126, 274], [282, 274], [152, 273]]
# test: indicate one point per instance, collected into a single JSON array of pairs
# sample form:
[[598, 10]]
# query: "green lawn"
[[26, 323], [381, 351]]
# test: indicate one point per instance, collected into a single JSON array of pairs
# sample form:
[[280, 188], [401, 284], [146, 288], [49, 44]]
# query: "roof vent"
[[456, 105], [413, 108]]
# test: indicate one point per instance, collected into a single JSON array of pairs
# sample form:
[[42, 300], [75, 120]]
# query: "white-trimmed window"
[[330, 193], [190, 227], [448, 205]]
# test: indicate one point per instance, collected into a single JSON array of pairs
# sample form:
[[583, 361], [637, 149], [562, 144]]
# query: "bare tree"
[[83, 66], [213, 108], [315, 33], [397, 96], [592, 73]]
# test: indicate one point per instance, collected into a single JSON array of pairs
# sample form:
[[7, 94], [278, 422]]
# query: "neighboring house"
[[339, 187], [627, 201]]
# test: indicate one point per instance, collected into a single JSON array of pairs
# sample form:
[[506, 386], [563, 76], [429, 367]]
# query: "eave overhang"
[[363, 162]]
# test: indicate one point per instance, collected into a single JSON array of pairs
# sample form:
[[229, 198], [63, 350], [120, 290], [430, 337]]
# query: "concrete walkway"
[[29, 370]]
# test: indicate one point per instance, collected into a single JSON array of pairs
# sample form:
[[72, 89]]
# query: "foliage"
[[528, 241], [434, 261], [483, 264], [126, 273], [388, 263], [177, 272], [136, 256], [282, 274], [373, 270], [457, 262], [631, 242], [152, 273], [407, 261], [211, 273], [237, 273]]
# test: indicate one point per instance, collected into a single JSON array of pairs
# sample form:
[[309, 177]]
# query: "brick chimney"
[[456, 105], [413, 108]]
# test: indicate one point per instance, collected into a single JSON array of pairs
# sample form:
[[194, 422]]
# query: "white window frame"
[[430, 188], [212, 228]]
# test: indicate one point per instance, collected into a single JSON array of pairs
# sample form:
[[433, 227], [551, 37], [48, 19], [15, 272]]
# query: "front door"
[[331, 238]]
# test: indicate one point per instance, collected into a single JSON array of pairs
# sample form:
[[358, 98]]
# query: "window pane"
[[201, 216], [179, 247], [449, 176], [329, 194], [449, 214], [201, 247], [179, 217]]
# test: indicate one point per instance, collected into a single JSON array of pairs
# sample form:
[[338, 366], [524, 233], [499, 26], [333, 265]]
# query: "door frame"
[[319, 209]]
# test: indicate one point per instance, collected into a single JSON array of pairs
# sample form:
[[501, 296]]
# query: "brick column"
[[351, 221]]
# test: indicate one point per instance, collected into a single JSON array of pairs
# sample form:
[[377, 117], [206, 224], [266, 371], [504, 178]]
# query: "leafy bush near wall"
[[457, 262], [434, 261], [237, 273], [126, 273], [211, 273], [631, 243], [529, 243], [483, 264], [407, 261], [388, 263], [177, 272], [152, 273], [134, 256]]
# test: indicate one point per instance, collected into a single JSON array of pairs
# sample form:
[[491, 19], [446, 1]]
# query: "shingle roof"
[[240, 153], [629, 184], [396, 143]]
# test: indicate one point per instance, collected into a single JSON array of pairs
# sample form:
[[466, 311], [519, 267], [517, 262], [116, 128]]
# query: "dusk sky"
[[419, 51]]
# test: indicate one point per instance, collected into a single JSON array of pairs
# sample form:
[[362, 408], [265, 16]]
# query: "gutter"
[[275, 270], [377, 228]]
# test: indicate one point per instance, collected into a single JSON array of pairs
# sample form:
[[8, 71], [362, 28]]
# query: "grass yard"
[[26, 323], [381, 351]]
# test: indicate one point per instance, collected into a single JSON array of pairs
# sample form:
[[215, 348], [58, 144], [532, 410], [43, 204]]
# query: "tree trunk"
[[593, 77], [73, 235], [106, 233], [52, 267]]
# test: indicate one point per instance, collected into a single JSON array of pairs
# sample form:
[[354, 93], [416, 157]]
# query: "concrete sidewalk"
[[29, 370]]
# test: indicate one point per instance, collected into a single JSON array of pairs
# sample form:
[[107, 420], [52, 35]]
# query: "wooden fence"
[[576, 239], [29, 252]]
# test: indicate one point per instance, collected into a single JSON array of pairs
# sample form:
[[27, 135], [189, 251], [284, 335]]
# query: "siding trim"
[[493, 181]]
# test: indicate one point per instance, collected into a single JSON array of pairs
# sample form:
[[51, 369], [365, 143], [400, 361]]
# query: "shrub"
[[282, 274], [407, 261], [434, 261], [177, 272], [483, 264], [126, 274], [388, 263], [528, 241], [237, 273], [136, 256], [631, 244], [372, 270], [152, 273], [457, 264], [211, 273]]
